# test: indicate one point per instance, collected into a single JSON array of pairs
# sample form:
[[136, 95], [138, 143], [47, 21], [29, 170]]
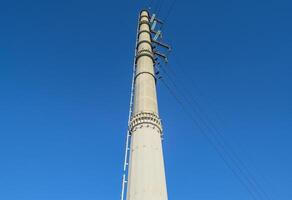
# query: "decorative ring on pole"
[[145, 118]]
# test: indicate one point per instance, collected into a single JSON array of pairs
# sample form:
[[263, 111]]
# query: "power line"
[[213, 135], [209, 139], [156, 6], [218, 136], [239, 164], [169, 11], [159, 8]]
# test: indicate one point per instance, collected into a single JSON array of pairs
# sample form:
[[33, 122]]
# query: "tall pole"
[[146, 175]]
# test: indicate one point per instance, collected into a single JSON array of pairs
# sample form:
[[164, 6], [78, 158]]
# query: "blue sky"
[[65, 74]]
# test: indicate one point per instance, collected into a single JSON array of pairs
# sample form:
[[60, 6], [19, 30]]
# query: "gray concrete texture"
[[146, 177]]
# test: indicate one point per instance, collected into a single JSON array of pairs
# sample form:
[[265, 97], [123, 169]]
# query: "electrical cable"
[[242, 172], [209, 139], [159, 8], [221, 141], [168, 12], [219, 136], [156, 6]]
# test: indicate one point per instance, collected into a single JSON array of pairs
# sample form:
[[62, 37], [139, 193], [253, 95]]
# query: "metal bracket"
[[161, 55], [153, 19], [159, 21], [162, 44]]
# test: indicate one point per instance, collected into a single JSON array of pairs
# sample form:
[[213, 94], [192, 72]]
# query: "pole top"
[[144, 12]]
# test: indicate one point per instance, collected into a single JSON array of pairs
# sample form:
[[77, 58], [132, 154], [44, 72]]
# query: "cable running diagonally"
[[226, 150], [218, 136], [169, 11], [209, 139], [213, 135], [159, 7]]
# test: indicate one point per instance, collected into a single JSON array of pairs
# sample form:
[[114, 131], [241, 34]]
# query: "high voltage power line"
[[156, 7], [200, 119], [209, 139], [208, 128], [215, 138]]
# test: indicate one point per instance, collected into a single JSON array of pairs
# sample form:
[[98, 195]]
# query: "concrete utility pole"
[[146, 175]]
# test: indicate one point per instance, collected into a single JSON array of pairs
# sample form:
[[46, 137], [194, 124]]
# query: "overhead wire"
[[242, 172], [239, 163], [216, 131], [169, 11], [209, 140], [156, 5], [159, 7], [218, 137]]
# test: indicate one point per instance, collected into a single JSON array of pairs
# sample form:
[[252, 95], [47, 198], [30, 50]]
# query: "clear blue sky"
[[65, 73]]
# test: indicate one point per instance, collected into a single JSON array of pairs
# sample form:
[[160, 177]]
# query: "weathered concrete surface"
[[146, 179]]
